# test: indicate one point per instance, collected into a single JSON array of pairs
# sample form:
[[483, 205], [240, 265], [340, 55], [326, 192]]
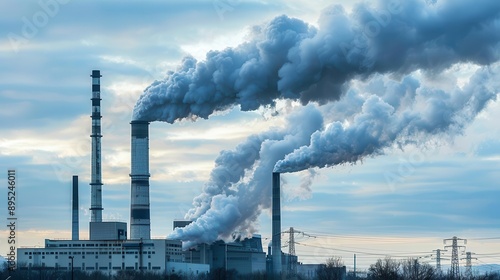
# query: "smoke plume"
[[364, 73], [289, 59], [234, 207], [379, 124]]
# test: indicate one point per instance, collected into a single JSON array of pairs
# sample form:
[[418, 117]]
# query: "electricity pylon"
[[455, 262]]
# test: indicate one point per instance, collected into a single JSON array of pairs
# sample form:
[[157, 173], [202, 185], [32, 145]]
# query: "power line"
[[356, 252]]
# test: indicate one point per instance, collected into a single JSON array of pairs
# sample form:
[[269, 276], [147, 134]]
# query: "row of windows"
[[102, 267], [89, 253], [86, 245], [83, 257]]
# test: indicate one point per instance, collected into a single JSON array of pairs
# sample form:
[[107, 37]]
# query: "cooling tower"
[[140, 224], [276, 246]]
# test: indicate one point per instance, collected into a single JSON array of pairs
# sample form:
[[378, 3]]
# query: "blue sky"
[[400, 203]]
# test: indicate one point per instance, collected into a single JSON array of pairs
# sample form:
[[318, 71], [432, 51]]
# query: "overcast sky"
[[402, 202]]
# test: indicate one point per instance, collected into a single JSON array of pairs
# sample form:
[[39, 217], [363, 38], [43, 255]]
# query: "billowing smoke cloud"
[[227, 208], [287, 58], [384, 113], [380, 124], [230, 168]]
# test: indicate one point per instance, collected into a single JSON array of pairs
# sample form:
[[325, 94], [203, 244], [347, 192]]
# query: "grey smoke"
[[230, 168], [288, 59], [236, 208], [379, 125]]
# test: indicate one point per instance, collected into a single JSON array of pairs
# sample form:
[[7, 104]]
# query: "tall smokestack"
[[140, 224], [95, 177], [75, 228], [276, 225]]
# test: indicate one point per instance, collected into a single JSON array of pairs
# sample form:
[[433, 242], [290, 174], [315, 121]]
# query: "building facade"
[[109, 256]]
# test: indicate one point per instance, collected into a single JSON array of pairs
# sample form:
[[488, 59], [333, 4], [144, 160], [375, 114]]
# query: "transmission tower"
[[468, 264], [455, 262], [292, 265], [438, 259]]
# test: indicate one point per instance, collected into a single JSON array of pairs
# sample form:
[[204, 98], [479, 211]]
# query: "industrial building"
[[109, 249], [244, 256]]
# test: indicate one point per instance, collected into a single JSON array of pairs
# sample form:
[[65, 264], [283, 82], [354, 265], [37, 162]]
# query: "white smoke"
[[381, 124], [220, 213], [288, 59], [345, 68]]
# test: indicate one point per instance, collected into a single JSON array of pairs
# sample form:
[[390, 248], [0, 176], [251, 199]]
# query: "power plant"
[[110, 249], [113, 246]]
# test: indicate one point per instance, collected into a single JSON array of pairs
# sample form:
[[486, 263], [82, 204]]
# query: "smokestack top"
[[140, 129], [96, 74], [139, 122]]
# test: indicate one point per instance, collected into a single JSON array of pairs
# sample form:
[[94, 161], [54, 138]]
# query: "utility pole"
[[468, 264], [438, 259], [354, 266], [455, 262]]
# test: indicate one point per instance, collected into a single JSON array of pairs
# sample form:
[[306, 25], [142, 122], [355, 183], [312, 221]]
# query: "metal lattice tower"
[[438, 259], [468, 264], [292, 265], [455, 262], [291, 246]]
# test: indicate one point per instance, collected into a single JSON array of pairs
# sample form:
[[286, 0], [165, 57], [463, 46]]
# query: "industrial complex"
[[112, 246]]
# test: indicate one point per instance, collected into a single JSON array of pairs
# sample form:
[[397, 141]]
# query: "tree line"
[[332, 269], [390, 269]]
